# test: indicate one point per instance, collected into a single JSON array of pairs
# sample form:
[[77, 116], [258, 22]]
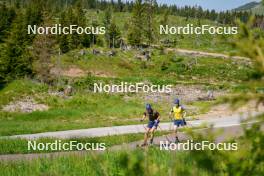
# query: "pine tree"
[[63, 39], [7, 15], [135, 33], [149, 12], [120, 5], [165, 18], [107, 22], [94, 38], [84, 39], [74, 38], [73, 15], [43, 48], [31, 16], [114, 35], [91, 4], [15, 59]]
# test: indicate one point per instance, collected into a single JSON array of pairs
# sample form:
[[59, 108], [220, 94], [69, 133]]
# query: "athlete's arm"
[[170, 114], [158, 117], [144, 117], [184, 113]]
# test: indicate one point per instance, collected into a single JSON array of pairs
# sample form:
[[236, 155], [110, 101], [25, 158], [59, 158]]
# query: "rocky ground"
[[25, 105], [186, 94]]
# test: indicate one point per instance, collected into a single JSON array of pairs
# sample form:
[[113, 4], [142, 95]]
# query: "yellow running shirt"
[[178, 112]]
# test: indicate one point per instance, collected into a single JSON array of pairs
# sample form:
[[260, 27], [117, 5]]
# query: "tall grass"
[[151, 161]]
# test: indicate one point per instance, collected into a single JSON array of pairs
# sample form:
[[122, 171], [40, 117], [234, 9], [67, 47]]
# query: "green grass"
[[204, 106], [81, 111], [163, 68], [19, 146], [20, 89], [86, 110], [152, 162]]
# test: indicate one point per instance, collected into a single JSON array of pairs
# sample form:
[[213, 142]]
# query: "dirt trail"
[[204, 54]]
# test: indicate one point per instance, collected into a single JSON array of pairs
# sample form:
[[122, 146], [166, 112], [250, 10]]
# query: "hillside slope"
[[254, 7], [258, 10], [247, 6]]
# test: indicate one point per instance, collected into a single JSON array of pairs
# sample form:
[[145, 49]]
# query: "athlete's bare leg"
[[152, 132], [176, 133], [146, 136]]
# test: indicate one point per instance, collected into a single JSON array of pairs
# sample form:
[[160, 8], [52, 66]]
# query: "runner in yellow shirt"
[[178, 113]]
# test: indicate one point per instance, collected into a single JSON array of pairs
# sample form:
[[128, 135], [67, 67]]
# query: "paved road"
[[128, 129]]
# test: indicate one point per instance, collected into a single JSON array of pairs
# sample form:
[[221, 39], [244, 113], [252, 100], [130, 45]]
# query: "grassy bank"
[[165, 68], [138, 162], [20, 146], [152, 162]]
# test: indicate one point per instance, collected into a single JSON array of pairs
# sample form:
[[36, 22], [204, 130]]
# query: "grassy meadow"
[[37, 71], [85, 109]]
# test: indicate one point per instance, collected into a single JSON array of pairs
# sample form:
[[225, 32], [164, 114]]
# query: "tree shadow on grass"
[[2, 85]]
